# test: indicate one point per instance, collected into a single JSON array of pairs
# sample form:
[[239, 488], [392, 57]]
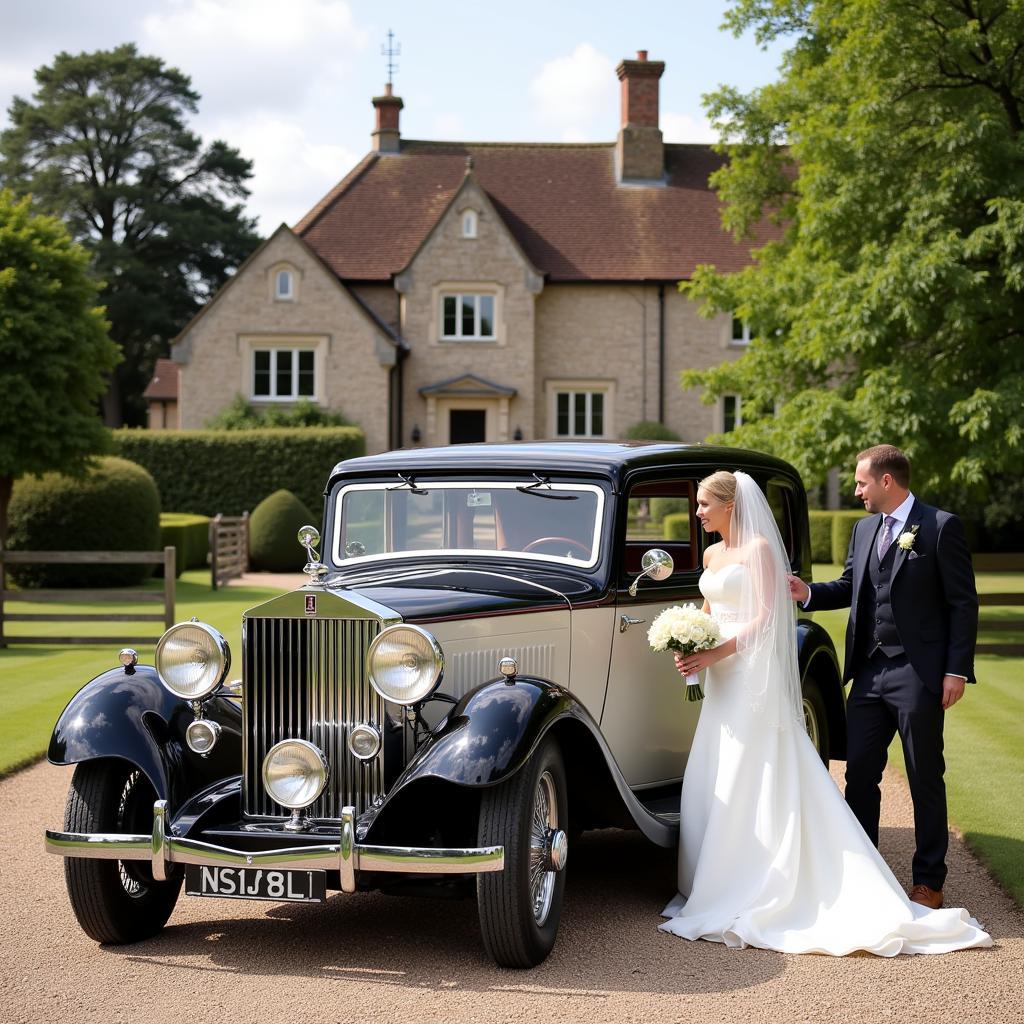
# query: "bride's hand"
[[691, 664]]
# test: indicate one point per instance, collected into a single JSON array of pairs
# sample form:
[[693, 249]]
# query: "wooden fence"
[[229, 548], [1001, 563], [98, 596]]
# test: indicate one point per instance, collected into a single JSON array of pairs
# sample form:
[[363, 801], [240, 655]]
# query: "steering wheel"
[[581, 547]]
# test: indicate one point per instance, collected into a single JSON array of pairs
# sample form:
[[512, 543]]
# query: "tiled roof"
[[562, 203], [164, 384]]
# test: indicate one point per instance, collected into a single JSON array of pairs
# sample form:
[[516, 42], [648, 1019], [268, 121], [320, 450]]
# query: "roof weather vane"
[[391, 51]]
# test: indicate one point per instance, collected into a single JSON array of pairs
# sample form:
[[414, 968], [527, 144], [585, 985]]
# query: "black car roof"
[[610, 459]]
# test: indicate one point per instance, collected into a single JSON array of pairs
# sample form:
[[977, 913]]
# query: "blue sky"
[[290, 83]]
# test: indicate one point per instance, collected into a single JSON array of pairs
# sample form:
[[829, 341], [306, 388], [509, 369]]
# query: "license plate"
[[256, 884]]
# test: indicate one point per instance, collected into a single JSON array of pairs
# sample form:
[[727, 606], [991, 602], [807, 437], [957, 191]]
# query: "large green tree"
[[55, 353], [104, 144], [892, 308]]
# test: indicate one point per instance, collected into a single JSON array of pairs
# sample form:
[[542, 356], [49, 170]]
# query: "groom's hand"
[[798, 590], [952, 690]]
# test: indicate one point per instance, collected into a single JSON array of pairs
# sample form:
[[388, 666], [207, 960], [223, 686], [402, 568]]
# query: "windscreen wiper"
[[408, 481], [543, 481]]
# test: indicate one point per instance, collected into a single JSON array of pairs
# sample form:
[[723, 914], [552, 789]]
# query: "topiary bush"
[[232, 471], [843, 523], [114, 507], [189, 535], [821, 534], [651, 430], [273, 527], [676, 526]]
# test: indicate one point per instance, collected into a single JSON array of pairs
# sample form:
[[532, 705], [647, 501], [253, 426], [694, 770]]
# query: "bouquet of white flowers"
[[685, 628]]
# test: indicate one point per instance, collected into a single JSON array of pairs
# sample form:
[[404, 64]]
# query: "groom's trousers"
[[888, 697]]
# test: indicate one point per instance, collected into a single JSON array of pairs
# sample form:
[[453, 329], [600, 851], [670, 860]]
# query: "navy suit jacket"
[[934, 600]]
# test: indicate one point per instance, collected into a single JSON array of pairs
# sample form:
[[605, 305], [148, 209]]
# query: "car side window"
[[661, 514], [781, 504]]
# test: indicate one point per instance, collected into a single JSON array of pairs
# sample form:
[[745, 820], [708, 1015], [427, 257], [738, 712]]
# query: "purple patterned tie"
[[886, 537]]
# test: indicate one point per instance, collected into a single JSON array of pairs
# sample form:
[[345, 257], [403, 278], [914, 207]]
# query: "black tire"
[[513, 933], [115, 901], [816, 718]]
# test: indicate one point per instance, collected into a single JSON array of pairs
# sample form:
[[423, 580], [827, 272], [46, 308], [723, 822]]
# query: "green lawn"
[[984, 736], [37, 681]]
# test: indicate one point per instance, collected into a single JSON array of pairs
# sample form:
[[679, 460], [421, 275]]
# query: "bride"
[[769, 853]]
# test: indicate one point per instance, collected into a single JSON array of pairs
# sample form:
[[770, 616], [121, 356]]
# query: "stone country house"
[[446, 292]]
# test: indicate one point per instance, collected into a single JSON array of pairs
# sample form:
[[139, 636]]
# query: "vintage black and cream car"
[[462, 687]]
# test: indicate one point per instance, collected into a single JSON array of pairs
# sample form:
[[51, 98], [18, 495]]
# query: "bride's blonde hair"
[[720, 485]]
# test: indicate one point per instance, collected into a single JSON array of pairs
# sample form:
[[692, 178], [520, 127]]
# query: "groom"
[[909, 585]]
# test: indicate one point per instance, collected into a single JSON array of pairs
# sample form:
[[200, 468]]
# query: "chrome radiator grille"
[[306, 679]]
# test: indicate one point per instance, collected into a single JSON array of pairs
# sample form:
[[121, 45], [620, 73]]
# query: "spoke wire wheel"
[[115, 901], [816, 719], [521, 906], [545, 821]]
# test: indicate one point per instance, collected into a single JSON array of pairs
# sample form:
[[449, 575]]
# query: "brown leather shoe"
[[931, 898]]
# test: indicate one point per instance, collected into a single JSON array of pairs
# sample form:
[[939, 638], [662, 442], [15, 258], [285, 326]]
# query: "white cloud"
[[577, 94], [291, 173], [245, 54], [685, 128]]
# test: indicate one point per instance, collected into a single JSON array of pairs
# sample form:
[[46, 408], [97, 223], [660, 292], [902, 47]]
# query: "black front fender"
[[135, 718], [491, 733]]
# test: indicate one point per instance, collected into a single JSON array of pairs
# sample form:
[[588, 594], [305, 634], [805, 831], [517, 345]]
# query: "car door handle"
[[625, 621]]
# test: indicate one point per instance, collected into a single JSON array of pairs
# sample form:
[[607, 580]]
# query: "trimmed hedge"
[[273, 528], [821, 534], [189, 535], [115, 506], [843, 523], [676, 526], [651, 430], [232, 471]]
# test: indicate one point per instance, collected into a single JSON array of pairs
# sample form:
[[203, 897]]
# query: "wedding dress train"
[[769, 852]]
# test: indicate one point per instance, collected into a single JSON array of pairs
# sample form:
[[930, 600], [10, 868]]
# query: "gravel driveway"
[[377, 958]]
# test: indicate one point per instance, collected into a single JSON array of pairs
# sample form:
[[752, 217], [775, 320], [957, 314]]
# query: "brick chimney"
[[639, 151], [386, 136]]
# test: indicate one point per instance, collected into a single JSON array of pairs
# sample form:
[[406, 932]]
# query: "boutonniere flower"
[[907, 538]]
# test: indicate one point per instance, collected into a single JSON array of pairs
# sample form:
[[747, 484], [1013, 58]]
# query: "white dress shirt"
[[901, 514]]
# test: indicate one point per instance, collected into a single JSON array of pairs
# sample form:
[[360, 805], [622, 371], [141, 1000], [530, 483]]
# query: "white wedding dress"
[[769, 853]]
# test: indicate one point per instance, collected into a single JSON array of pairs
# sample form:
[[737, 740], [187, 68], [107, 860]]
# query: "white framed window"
[[580, 412], [740, 332], [284, 285], [283, 374], [469, 222], [467, 317], [732, 413]]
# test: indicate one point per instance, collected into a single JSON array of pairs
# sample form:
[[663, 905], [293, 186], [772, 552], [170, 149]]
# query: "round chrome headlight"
[[364, 742], [404, 664], [294, 773], [202, 735], [192, 660]]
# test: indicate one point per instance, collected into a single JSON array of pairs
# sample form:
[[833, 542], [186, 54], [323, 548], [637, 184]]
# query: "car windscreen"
[[539, 520]]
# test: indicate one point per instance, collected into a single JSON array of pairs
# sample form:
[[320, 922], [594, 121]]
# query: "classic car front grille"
[[306, 679]]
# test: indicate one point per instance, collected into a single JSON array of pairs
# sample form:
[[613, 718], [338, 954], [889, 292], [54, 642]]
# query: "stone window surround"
[[469, 220], [744, 339], [722, 414], [250, 343], [289, 268], [555, 387], [466, 288]]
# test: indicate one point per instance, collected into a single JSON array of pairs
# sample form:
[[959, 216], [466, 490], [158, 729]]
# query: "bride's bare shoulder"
[[710, 552]]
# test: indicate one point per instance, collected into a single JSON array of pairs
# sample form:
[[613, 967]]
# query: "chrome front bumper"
[[345, 856]]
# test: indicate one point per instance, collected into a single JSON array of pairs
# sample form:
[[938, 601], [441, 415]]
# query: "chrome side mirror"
[[657, 564], [309, 537]]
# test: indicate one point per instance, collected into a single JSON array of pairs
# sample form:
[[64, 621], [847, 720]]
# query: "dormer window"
[[284, 285], [469, 220]]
